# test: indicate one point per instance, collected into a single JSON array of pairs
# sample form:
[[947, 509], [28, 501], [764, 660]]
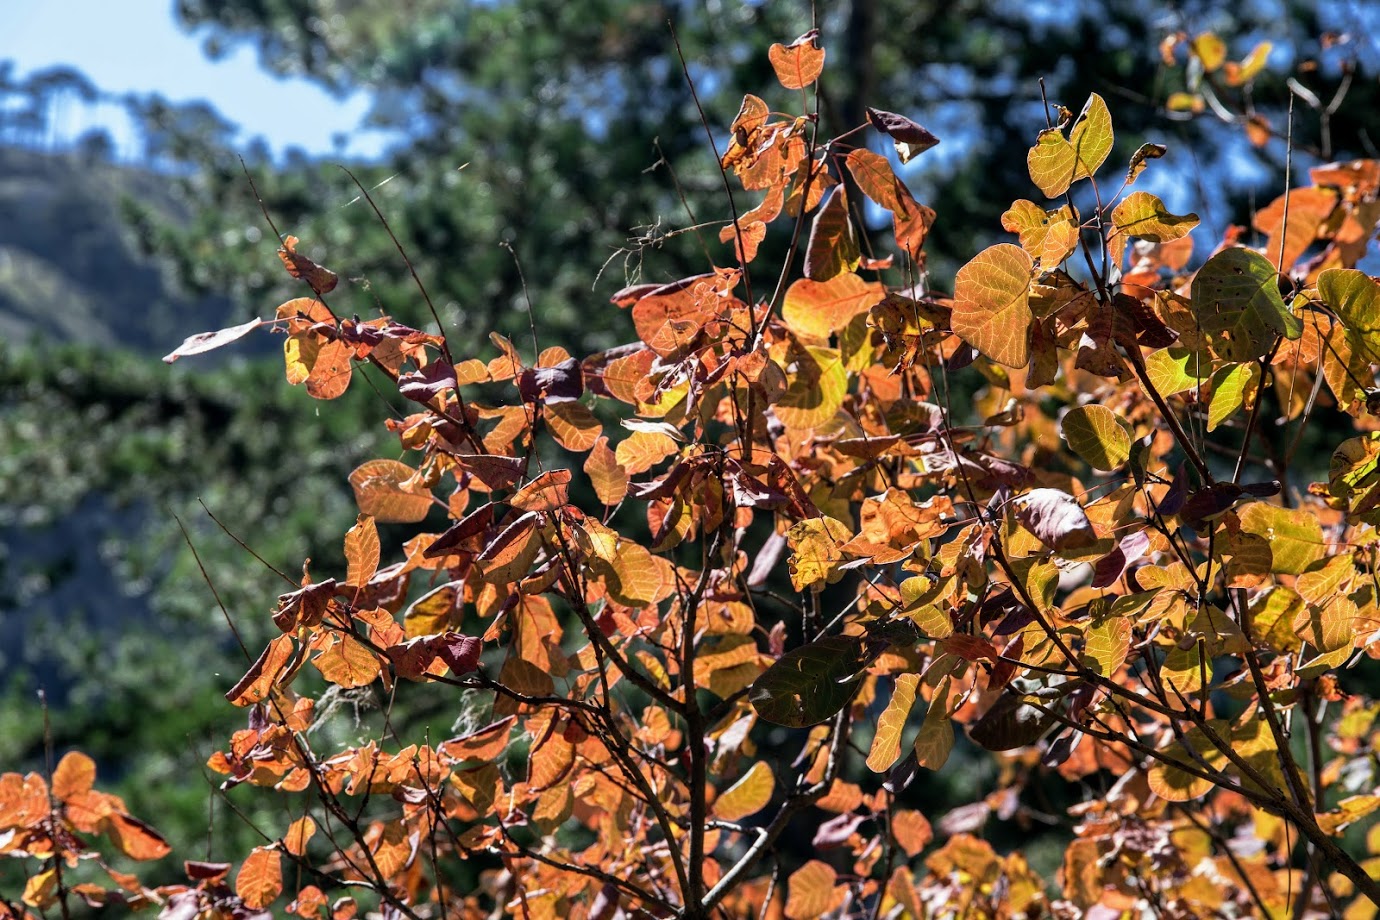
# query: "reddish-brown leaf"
[[260, 879], [798, 64]]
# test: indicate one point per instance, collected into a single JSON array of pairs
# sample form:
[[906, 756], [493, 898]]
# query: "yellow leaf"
[[1049, 236], [609, 479], [1144, 216], [75, 774], [1233, 387], [643, 450], [816, 388], [886, 743], [747, 796], [992, 304], [817, 309], [1107, 645], [815, 554], [936, 738], [1209, 49], [1051, 162], [1097, 436]]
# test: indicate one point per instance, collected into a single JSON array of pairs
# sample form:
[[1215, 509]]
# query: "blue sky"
[[137, 46]]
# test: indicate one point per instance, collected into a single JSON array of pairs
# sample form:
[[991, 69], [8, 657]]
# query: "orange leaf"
[[817, 309], [257, 683], [347, 663], [510, 555], [362, 551], [747, 796], [299, 834], [912, 830], [547, 492], [75, 774], [992, 304], [799, 63], [330, 373], [136, 839], [813, 891], [388, 490], [573, 425], [483, 744], [609, 479], [260, 879]]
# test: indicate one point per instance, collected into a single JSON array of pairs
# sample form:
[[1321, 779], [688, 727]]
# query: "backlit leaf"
[[330, 372], [1010, 723], [548, 492], [1107, 644], [1091, 137], [1097, 436], [1174, 369], [936, 737], [817, 309], [573, 425], [815, 553], [388, 491], [798, 64], [135, 838], [1233, 387], [809, 684], [1237, 300], [260, 879], [361, 551], [813, 891], [1144, 216], [991, 308], [1210, 50], [886, 742], [1048, 236], [1355, 297], [815, 391], [1354, 478], [1052, 162], [74, 775], [748, 796], [299, 833], [609, 479], [833, 246], [911, 829], [347, 663]]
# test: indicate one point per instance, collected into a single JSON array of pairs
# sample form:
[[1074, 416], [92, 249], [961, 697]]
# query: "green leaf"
[[1107, 644], [992, 304], [1355, 297], [809, 684], [1052, 162], [1233, 387], [1091, 137], [1175, 369], [1097, 436], [1354, 478], [1143, 215], [1237, 300]]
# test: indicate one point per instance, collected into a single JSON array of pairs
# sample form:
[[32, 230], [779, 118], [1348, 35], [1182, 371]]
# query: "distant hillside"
[[69, 271]]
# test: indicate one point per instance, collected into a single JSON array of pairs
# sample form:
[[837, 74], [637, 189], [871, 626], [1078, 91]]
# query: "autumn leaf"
[[362, 551], [260, 879], [798, 64], [203, 342], [1055, 518], [910, 139], [1097, 436], [818, 309], [992, 304], [886, 742], [388, 491], [747, 796], [1237, 300]]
